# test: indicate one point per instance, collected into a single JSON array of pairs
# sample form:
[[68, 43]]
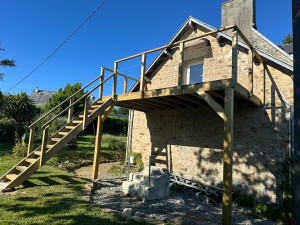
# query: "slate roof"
[[288, 48], [41, 97]]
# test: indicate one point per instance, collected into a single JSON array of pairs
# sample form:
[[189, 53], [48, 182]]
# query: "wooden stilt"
[[97, 148], [227, 170], [142, 81], [180, 69], [250, 72]]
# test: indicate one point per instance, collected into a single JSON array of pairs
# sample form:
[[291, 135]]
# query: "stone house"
[[188, 140]]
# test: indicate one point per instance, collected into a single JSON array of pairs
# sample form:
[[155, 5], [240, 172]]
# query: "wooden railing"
[[72, 103], [235, 34]]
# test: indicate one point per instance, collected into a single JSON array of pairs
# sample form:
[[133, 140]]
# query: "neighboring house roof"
[[185, 27], [119, 115], [41, 97], [288, 48], [278, 48]]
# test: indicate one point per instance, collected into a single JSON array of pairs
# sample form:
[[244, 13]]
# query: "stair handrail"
[[121, 74], [67, 99], [78, 100]]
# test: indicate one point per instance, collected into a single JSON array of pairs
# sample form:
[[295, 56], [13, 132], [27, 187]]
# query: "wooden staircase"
[[33, 161]]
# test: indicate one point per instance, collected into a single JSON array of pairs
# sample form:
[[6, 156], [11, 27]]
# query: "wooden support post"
[[114, 87], [228, 143], [86, 111], [97, 148], [250, 72], [44, 145], [142, 80], [71, 110], [234, 54], [101, 86], [125, 84], [31, 139], [180, 69]]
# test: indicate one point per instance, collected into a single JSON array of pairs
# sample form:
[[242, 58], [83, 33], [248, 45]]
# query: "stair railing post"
[[142, 80], [44, 145], [114, 87], [31, 139], [85, 112], [71, 110], [125, 84], [101, 86]]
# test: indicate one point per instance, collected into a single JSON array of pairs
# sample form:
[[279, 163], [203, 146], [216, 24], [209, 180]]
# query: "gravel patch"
[[178, 208]]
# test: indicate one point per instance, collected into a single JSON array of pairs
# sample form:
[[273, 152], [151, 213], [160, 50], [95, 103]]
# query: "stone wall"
[[190, 141]]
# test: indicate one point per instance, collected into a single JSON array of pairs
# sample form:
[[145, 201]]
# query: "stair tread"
[[63, 133], [77, 121], [50, 146], [11, 176], [37, 152], [21, 168], [95, 106], [30, 160], [55, 139], [70, 127]]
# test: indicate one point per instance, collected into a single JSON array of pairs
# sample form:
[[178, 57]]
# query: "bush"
[[20, 149], [115, 125], [7, 130], [137, 160]]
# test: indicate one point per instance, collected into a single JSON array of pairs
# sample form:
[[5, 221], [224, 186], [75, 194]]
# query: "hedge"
[[112, 125]]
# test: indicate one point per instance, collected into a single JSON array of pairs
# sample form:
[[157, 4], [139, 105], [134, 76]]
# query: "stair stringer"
[[24, 175]]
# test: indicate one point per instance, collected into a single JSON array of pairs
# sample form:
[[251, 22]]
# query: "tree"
[[19, 107], [63, 94], [5, 62], [120, 110], [288, 39]]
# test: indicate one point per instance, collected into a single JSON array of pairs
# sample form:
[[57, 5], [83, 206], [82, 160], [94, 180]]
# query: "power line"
[[58, 46]]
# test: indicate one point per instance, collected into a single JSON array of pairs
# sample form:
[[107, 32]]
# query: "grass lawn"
[[51, 195]]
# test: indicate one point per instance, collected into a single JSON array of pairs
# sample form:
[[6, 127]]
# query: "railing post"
[[263, 83], [101, 86], [142, 80], [114, 87], [31, 139], [250, 72], [71, 110], [86, 111], [181, 61], [125, 84], [44, 145], [234, 54]]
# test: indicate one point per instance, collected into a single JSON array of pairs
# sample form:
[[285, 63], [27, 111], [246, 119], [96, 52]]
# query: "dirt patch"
[[86, 172]]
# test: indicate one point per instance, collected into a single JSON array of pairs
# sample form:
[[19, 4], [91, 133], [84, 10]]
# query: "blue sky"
[[32, 29]]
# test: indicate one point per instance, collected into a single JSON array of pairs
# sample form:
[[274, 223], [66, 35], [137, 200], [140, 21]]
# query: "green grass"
[[51, 195]]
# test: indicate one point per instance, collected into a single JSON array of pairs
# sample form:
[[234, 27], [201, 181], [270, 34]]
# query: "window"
[[195, 73]]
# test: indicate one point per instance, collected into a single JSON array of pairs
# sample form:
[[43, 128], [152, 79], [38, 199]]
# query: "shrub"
[[137, 160], [115, 125], [115, 143], [20, 149], [7, 130]]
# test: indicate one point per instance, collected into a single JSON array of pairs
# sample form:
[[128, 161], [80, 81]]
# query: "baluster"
[[180, 69], [125, 84], [114, 87], [142, 80], [234, 54], [44, 145], [250, 72], [31, 139], [71, 110], [101, 86], [86, 110]]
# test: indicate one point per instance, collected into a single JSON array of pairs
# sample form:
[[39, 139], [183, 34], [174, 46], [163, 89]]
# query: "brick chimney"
[[241, 13]]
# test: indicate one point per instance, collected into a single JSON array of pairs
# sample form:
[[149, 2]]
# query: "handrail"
[[177, 43], [67, 99], [63, 111], [121, 74]]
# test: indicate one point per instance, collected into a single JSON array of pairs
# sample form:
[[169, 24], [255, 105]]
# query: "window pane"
[[196, 72]]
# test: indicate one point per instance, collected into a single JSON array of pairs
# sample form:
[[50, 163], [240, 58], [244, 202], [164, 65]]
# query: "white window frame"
[[188, 66]]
